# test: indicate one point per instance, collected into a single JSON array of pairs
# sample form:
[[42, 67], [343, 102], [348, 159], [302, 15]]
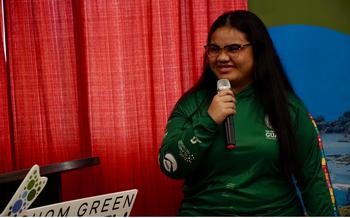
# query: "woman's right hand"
[[222, 105]]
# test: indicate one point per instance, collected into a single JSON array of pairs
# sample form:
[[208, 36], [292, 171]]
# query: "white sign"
[[113, 204], [26, 193]]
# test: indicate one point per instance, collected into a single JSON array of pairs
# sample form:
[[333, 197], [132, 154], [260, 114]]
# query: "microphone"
[[223, 84]]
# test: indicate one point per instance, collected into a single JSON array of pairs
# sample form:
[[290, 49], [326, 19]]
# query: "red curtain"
[[6, 161], [100, 78]]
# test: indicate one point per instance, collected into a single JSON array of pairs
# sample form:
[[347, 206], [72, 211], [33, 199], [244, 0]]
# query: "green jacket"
[[246, 180]]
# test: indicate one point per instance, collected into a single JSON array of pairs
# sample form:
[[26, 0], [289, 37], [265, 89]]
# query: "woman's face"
[[234, 63]]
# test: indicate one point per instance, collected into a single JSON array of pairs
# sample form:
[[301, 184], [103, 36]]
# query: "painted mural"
[[313, 40]]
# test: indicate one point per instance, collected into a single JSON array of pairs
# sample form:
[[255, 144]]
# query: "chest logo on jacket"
[[269, 133]]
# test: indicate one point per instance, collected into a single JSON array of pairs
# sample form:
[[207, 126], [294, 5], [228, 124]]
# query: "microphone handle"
[[230, 132]]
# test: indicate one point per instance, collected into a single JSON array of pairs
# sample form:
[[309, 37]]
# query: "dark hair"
[[270, 83]]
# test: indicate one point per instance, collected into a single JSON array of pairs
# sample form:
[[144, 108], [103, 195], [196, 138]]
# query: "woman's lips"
[[225, 68]]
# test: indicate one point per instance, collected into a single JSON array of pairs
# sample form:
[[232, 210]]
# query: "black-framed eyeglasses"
[[214, 50]]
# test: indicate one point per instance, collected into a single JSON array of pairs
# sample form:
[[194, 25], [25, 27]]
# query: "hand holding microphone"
[[222, 109]]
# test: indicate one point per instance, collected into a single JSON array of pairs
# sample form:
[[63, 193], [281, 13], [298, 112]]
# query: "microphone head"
[[223, 84]]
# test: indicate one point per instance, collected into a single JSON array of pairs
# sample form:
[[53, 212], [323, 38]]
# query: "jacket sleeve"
[[313, 178], [187, 136]]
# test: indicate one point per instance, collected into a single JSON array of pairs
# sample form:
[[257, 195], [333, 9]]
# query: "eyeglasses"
[[213, 50]]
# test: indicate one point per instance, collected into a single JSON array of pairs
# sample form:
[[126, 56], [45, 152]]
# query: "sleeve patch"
[[169, 163]]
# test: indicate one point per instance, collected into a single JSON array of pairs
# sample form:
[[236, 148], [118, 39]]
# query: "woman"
[[277, 146]]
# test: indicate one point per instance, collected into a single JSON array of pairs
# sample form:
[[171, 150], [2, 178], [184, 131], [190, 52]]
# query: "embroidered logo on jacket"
[[169, 163], [269, 133], [195, 140], [184, 152]]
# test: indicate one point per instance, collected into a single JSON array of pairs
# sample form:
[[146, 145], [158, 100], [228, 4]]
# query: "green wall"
[[332, 14]]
